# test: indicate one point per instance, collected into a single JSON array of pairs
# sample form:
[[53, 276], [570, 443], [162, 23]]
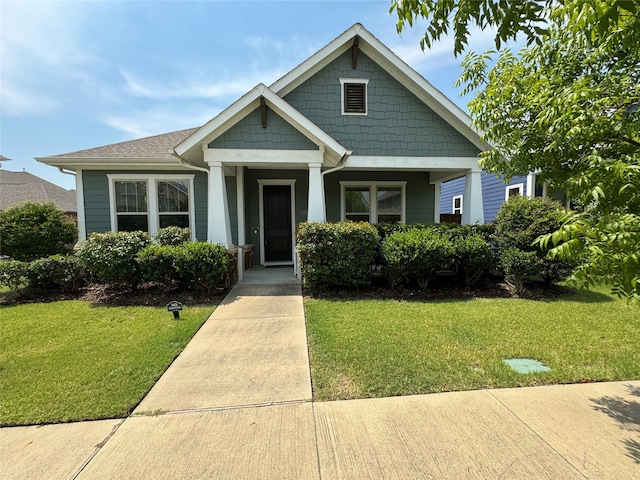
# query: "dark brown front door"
[[277, 223]]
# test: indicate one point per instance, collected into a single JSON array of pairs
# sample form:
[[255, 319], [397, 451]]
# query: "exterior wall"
[[96, 198], [252, 200], [493, 193], [420, 193], [248, 133], [397, 122]]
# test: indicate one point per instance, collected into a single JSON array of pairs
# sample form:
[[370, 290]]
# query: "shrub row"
[[345, 254], [127, 259]]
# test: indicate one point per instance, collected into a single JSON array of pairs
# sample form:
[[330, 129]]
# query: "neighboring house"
[[495, 191], [351, 133], [17, 187]]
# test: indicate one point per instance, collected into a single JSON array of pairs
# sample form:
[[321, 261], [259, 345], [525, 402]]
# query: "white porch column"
[[436, 202], [316, 212], [219, 225], [472, 208], [242, 238]]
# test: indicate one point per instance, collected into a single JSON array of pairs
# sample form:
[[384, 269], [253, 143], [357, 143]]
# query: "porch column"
[[80, 213], [315, 208], [242, 238], [436, 202], [472, 208], [219, 225]]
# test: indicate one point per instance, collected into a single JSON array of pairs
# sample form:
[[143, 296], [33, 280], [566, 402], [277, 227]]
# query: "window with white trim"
[[373, 202], [514, 191], [457, 205], [150, 202], [354, 96]]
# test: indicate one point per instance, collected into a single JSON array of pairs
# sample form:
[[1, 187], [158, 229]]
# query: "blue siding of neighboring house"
[[493, 193]]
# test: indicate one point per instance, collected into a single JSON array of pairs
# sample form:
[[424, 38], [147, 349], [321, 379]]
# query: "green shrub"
[[157, 263], [111, 257], [202, 264], [416, 254], [33, 230], [172, 236], [13, 274], [473, 257], [57, 272], [336, 254], [519, 223]]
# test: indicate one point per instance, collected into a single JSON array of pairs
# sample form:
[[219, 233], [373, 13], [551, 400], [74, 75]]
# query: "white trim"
[[262, 158], [80, 212], [453, 204], [152, 198], [242, 237], [448, 165], [519, 186], [362, 81], [373, 195], [272, 181]]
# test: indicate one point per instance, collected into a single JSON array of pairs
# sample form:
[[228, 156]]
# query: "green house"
[[353, 132]]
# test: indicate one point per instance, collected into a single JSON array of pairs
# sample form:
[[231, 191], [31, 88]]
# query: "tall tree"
[[568, 107]]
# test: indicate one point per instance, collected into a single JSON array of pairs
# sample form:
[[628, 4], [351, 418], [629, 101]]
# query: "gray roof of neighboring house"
[[157, 146], [16, 187]]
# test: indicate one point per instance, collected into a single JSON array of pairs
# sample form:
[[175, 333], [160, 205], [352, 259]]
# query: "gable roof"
[[17, 187], [190, 148], [392, 64]]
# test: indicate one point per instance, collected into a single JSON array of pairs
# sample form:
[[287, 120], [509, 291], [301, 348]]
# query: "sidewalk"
[[236, 405]]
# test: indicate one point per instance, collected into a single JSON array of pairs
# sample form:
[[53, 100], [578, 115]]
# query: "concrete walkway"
[[236, 405]]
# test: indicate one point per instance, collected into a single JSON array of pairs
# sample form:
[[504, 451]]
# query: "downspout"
[[62, 170], [185, 164], [341, 164]]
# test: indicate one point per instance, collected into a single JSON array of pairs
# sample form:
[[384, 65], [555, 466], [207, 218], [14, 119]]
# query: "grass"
[[379, 348], [70, 360]]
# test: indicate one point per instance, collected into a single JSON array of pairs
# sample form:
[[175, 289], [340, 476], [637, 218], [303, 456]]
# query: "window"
[[373, 203], [513, 191], [132, 211], [457, 205], [150, 202], [354, 96]]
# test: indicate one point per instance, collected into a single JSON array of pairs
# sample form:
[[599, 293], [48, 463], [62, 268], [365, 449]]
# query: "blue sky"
[[83, 74]]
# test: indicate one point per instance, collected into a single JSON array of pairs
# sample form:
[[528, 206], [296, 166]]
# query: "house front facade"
[[352, 133]]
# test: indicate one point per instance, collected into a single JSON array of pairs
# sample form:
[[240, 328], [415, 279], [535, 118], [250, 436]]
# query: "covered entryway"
[[277, 223], [277, 220]]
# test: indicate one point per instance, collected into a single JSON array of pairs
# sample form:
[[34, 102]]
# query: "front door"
[[277, 223]]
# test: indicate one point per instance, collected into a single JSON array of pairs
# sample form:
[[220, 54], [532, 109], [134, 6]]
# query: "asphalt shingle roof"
[[16, 187], [157, 146]]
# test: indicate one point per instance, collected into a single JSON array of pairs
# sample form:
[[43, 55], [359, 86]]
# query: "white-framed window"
[[354, 96], [373, 202], [456, 208], [150, 202], [513, 191]]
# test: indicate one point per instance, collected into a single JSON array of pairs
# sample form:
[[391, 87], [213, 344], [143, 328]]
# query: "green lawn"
[[378, 348], [71, 360]]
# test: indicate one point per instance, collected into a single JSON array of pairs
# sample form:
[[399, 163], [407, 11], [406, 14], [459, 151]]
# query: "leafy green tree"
[[568, 107], [33, 230]]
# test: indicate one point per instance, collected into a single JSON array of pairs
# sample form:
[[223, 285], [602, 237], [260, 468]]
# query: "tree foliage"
[[568, 107], [33, 230]]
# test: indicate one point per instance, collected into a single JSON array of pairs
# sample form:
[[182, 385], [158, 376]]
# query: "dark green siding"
[[419, 192], [278, 135], [397, 123]]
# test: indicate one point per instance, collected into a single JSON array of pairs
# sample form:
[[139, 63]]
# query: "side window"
[[457, 205], [513, 191]]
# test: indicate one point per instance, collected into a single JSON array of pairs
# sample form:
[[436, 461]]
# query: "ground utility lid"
[[526, 365]]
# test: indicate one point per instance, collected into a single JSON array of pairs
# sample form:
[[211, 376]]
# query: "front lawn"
[[72, 360], [378, 348]]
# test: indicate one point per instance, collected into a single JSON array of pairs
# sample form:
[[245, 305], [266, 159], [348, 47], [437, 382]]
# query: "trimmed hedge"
[[56, 273], [111, 257], [13, 274], [203, 264], [336, 254], [172, 236]]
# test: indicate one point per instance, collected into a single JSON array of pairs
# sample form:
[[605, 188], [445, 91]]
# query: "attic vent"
[[354, 96]]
